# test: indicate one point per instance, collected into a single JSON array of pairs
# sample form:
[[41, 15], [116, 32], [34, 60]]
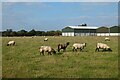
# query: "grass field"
[[24, 60]]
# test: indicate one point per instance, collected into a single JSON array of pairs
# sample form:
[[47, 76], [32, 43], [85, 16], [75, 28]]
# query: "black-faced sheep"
[[62, 46], [78, 46], [11, 43], [107, 39], [103, 46], [48, 49], [46, 39]]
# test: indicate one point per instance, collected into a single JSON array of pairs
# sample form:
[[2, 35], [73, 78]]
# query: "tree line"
[[10, 33]]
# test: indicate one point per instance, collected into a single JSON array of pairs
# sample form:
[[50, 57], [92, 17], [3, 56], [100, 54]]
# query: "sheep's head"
[[54, 52], [7, 44], [68, 43], [85, 44], [109, 49]]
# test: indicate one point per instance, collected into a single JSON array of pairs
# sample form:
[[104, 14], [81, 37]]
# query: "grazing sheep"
[[103, 46], [11, 43], [46, 39], [78, 46], [62, 46], [48, 49], [107, 39]]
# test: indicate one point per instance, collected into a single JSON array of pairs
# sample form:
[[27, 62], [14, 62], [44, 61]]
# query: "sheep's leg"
[[83, 47], [49, 53], [80, 49], [103, 50], [63, 50], [58, 50], [42, 52], [76, 50], [13, 43], [96, 49]]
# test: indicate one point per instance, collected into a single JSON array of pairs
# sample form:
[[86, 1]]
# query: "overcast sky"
[[56, 15]]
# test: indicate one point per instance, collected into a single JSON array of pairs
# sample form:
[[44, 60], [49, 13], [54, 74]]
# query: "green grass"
[[24, 60], [0, 57]]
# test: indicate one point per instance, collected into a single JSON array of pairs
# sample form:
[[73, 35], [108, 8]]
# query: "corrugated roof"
[[83, 27]]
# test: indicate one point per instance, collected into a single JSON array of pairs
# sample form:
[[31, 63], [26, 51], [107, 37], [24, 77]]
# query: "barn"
[[111, 31], [90, 31], [79, 31]]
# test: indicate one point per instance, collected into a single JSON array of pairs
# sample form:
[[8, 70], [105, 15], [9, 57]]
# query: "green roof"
[[115, 29], [67, 29], [103, 30]]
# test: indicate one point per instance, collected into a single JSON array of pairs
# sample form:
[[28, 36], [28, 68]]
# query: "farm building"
[[79, 31], [90, 31], [105, 31]]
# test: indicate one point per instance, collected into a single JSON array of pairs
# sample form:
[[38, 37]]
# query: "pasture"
[[24, 60]]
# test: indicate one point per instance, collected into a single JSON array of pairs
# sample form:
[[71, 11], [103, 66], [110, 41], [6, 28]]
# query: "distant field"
[[24, 60]]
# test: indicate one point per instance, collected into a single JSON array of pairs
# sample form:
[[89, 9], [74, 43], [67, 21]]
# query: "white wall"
[[107, 34], [87, 34], [67, 33]]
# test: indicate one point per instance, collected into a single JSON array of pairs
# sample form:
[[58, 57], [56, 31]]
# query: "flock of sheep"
[[75, 46]]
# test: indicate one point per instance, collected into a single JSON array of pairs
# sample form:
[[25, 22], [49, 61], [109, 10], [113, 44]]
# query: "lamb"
[[62, 46], [78, 46], [103, 46], [107, 39], [11, 43], [48, 49], [46, 39]]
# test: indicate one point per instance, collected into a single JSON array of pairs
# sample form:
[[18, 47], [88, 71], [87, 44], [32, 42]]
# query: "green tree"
[[32, 32], [8, 32], [58, 33], [22, 33]]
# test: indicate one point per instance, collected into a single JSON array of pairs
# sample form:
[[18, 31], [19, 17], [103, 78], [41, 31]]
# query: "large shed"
[[108, 31], [79, 31]]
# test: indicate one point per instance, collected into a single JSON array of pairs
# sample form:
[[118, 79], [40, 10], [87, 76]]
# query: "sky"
[[60, 0], [45, 16]]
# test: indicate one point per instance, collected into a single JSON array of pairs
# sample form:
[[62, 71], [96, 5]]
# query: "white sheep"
[[11, 43], [48, 49], [102, 46], [46, 39], [107, 39], [79, 46]]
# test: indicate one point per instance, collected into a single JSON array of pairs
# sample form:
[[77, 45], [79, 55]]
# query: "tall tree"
[[22, 33], [32, 32]]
